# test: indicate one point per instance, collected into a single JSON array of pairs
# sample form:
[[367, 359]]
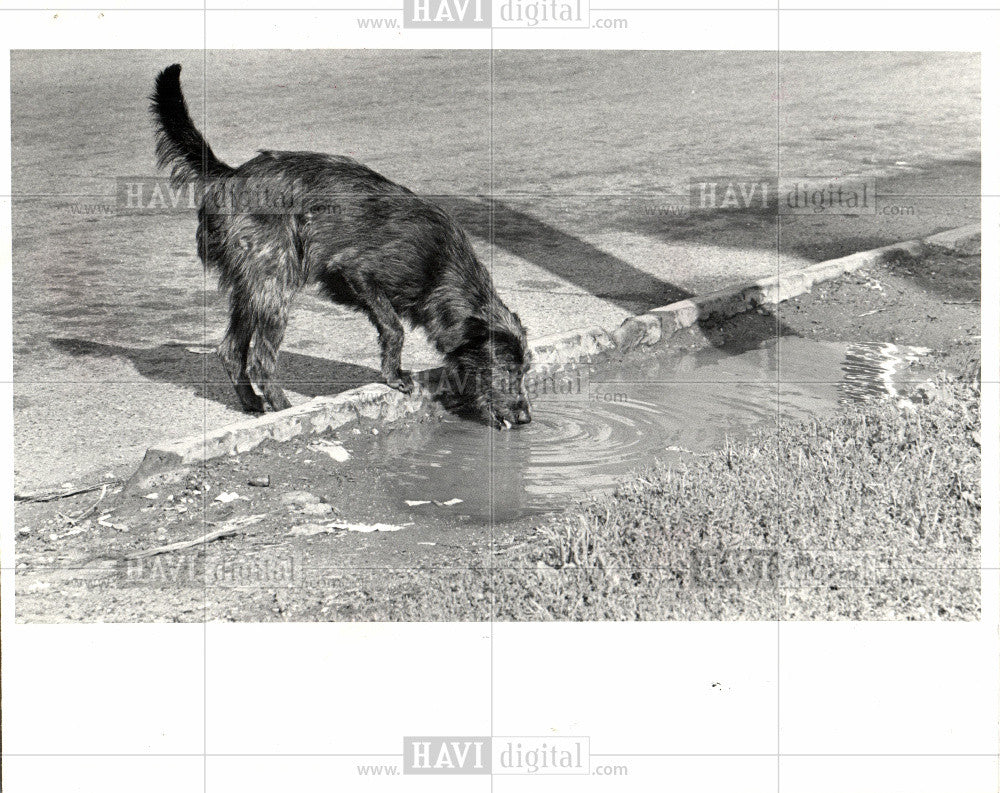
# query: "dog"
[[369, 243]]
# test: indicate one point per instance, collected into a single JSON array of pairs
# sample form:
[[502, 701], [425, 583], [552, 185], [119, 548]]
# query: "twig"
[[218, 534], [229, 529], [72, 520], [55, 495], [93, 507], [869, 313], [960, 302]]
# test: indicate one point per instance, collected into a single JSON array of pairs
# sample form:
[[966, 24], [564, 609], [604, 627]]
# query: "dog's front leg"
[[390, 338]]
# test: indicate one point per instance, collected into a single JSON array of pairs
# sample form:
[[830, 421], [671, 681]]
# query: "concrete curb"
[[381, 403], [375, 402], [966, 239]]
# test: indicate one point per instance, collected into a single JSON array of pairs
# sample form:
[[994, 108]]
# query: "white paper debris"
[[449, 503], [310, 529], [370, 527], [336, 452], [416, 503], [105, 521], [225, 498]]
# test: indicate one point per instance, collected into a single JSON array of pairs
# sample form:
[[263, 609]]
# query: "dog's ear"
[[474, 340], [475, 331], [480, 336], [509, 335]]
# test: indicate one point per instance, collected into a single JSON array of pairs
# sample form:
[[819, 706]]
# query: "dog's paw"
[[403, 382], [252, 406]]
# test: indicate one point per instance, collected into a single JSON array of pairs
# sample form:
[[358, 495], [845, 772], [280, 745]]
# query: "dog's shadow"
[[200, 370]]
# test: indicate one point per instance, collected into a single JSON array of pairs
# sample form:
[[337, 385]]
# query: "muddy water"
[[592, 425]]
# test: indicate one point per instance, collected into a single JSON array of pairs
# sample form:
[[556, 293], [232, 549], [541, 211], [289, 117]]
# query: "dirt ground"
[[293, 551], [932, 301]]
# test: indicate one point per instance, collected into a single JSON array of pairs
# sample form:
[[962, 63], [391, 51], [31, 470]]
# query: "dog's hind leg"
[[390, 339], [234, 352], [269, 330]]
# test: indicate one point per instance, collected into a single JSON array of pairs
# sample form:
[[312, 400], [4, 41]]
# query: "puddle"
[[592, 425]]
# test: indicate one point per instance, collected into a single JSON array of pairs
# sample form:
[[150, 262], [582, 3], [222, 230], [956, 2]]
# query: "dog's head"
[[486, 371]]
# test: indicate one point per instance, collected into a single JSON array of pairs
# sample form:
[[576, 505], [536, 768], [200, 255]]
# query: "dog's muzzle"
[[522, 411]]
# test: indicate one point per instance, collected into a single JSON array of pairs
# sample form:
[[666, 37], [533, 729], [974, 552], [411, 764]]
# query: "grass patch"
[[871, 514]]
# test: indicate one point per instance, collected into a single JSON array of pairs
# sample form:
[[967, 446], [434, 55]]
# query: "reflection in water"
[[870, 371], [592, 425]]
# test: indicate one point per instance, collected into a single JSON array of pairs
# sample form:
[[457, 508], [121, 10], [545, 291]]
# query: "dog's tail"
[[179, 144]]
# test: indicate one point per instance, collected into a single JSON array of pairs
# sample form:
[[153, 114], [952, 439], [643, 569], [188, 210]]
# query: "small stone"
[[299, 498], [260, 481], [316, 509]]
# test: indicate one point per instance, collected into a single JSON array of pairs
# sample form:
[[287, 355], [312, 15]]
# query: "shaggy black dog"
[[287, 219]]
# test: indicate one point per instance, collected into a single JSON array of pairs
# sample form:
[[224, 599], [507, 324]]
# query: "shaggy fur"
[[369, 243]]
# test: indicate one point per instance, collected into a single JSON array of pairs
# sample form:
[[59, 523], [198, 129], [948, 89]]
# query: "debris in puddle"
[[334, 450], [260, 481], [226, 498], [685, 450]]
